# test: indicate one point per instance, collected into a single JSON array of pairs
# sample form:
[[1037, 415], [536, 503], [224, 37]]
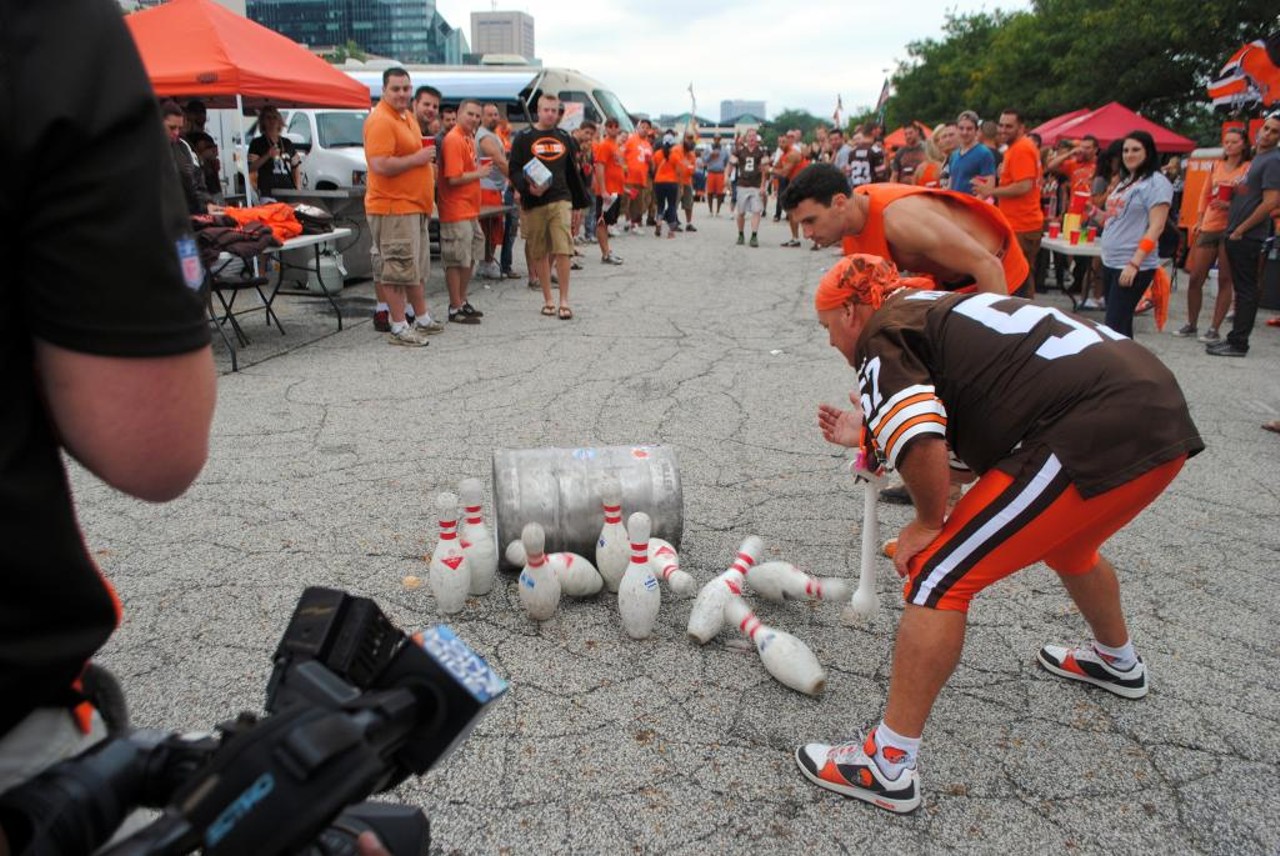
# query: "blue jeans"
[[1122, 301]]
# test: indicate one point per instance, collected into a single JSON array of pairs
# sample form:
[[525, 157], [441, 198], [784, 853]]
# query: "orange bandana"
[[859, 278]]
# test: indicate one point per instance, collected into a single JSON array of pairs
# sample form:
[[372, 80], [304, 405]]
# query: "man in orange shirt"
[[461, 238], [398, 202], [688, 151], [789, 164], [609, 182], [638, 153], [1018, 193]]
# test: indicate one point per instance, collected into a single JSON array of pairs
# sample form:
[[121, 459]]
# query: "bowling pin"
[[781, 581], [865, 602], [449, 574], [639, 597], [578, 577], [785, 657], [477, 540], [612, 547], [707, 615], [539, 587], [666, 564]]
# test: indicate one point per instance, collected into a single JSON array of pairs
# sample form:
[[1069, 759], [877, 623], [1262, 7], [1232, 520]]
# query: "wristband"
[[1146, 245]]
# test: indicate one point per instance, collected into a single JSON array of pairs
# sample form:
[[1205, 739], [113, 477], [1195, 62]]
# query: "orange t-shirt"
[[638, 153], [1215, 217], [1022, 161], [463, 201], [607, 153], [667, 168], [391, 134], [929, 174], [689, 165], [872, 239]]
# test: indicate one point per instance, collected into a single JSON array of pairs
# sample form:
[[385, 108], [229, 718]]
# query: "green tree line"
[[1153, 56]]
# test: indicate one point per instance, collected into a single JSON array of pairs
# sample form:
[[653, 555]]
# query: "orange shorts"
[[715, 184], [1005, 523]]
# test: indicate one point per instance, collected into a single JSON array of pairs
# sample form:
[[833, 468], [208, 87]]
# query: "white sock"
[[424, 319], [397, 326], [381, 307], [901, 752], [1123, 658]]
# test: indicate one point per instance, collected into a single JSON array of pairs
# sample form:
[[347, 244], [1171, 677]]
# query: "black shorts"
[[609, 215]]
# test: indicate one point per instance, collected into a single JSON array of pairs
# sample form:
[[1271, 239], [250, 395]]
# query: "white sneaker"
[[408, 337], [1085, 664], [849, 769]]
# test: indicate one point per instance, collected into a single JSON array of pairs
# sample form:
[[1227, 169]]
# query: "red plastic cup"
[[1093, 234], [485, 163], [1055, 229], [1224, 193], [428, 142], [1074, 237]]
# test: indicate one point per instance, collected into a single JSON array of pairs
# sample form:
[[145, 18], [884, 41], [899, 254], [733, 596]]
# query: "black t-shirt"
[[559, 154], [1001, 378], [274, 172], [866, 165], [99, 262]]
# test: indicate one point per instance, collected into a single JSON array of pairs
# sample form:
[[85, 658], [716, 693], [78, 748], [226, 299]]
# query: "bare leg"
[[395, 302], [925, 655], [1226, 288], [602, 238], [453, 281], [415, 296], [562, 270], [1097, 594], [544, 279], [1198, 264]]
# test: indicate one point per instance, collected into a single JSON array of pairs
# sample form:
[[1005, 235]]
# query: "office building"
[[410, 31], [508, 33], [732, 109]]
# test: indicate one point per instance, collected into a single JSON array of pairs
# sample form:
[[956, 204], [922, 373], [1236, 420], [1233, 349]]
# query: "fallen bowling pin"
[[784, 656], [578, 577], [449, 574], [666, 564], [865, 601], [781, 581], [639, 597], [477, 539], [612, 548], [538, 585], [707, 615]]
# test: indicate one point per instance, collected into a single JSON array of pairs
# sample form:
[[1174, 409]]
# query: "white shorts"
[[749, 201]]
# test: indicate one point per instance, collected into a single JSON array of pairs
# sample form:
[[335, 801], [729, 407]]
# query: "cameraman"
[[104, 350]]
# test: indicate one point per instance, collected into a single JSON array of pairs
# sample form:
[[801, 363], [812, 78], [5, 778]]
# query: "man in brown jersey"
[[954, 386]]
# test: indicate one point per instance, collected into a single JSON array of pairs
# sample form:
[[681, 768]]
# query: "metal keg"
[[560, 488]]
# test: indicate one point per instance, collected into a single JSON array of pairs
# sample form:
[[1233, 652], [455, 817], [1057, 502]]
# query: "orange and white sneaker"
[[848, 769], [1085, 664]]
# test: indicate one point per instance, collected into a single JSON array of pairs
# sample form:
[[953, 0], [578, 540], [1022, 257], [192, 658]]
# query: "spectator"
[[492, 188], [947, 138], [184, 161], [688, 151], [841, 151], [273, 161], [548, 206], [668, 167], [1018, 191], [461, 238], [204, 146], [1208, 236], [1248, 225], [971, 158], [448, 118], [1105, 180], [989, 136], [1077, 165], [717, 161], [638, 153], [750, 171], [929, 172], [399, 196], [787, 166], [1136, 212], [908, 157], [866, 159], [609, 182], [426, 109]]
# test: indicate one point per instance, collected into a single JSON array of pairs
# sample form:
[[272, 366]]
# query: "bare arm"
[[925, 468], [390, 166], [920, 230], [491, 148], [1156, 218], [139, 424], [1270, 202]]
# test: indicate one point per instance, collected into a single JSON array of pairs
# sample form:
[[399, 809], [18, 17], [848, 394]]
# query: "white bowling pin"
[[707, 615], [785, 657], [780, 581], [578, 577], [477, 540], [639, 597], [612, 548], [449, 573], [865, 601], [539, 587], [666, 564]]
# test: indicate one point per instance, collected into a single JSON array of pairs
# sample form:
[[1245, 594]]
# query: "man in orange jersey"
[[1018, 192], [461, 238], [955, 239], [609, 183], [638, 153], [954, 386], [688, 151]]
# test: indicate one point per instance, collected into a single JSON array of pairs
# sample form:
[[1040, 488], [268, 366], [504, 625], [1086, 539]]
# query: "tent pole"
[[248, 186]]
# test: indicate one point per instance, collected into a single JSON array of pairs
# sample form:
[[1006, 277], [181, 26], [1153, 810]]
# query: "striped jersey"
[[1000, 378]]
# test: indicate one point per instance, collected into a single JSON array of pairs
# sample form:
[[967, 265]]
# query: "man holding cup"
[[461, 238]]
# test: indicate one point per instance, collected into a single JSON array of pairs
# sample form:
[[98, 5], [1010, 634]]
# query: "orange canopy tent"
[[198, 49], [898, 138]]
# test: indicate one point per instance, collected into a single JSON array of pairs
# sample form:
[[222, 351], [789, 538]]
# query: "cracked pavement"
[[325, 459]]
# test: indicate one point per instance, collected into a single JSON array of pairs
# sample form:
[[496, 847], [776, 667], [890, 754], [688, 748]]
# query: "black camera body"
[[354, 706]]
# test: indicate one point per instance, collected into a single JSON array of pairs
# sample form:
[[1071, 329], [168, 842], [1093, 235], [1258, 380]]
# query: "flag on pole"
[[837, 117], [885, 92]]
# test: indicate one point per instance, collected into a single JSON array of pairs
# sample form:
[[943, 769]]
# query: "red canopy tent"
[[1048, 127], [1111, 122], [198, 49]]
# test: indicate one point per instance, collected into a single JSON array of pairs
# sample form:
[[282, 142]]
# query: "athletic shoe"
[[408, 337], [848, 769], [468, 309], [792, 243], [428, 329], [741, 239], [457, 316], [611, 259], [676, 228], [1186, 331], [755, 242], [1209, 336], [489, 270], [690, 228], [409, 317], [1224, 348], [382, 321], [1085, 664], [1090, 304]]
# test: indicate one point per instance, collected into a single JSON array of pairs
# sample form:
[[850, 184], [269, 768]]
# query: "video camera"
[[354, 707]]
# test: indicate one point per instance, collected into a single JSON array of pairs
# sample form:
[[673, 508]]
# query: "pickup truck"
[[332, 145]]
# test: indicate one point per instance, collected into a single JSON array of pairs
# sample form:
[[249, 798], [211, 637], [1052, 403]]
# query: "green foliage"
[[342, 53], [1153, 56], [788, 119]]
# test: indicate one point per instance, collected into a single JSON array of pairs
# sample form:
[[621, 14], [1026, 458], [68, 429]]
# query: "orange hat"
[[860, 278]]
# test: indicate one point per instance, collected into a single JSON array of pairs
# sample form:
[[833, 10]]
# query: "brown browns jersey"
[[752, 165], [1000, 377]]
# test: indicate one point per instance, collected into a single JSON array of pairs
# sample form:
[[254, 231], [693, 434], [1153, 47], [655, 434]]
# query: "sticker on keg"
[[584, 454]]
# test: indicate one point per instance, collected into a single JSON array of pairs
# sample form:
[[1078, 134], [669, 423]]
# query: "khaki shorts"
[[548, 231], [401, 249], [686, 197], [461, 243], [1210, 239], [749, 201]]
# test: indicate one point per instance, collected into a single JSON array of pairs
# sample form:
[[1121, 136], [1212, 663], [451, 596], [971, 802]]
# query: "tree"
[[342, 53], [788, 119]]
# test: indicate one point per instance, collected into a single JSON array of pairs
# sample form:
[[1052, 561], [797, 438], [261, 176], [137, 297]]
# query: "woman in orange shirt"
[[669, 168], [1208, 237]]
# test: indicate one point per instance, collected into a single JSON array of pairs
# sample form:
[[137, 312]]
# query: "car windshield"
[[613, 108], [341, 129]]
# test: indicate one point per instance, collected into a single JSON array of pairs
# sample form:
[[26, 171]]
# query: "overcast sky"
[[789, 53]]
